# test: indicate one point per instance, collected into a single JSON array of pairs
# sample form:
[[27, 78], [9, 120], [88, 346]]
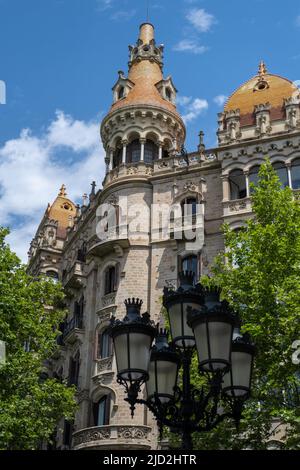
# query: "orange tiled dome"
[[261, 89]]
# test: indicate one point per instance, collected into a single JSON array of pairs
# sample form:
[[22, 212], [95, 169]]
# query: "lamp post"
[[198, 321]]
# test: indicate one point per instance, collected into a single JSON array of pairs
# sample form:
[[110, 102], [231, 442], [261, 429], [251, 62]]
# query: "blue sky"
[[59, 60]]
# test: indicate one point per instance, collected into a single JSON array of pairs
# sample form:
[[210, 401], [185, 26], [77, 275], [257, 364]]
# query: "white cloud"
[[220, 99], [191, 108], [104, 4], [123, 15], [200, 19], [32, 169], [189, 45]]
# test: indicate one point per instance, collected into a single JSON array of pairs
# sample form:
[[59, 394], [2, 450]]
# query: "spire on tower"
[[262, 69], [62, 191]]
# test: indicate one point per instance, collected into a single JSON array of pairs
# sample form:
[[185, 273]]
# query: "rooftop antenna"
[[147, 11]]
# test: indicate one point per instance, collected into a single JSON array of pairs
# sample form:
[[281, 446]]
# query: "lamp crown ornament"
[[133, 307]]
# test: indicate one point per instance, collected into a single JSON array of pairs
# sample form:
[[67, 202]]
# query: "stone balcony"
[[73, 330], [115, 239], [113, 437], [237, 206], [75, 276]]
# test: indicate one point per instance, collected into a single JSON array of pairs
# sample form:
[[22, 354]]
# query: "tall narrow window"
[[134, 151], [190, 263], [121, 92], [111, 279], [295, 172], [168, 94], [253, 176], [101, 411], [281, 171], [74, 370], [81, 253], [189, 207], [78, 313], [104, 344], [117, 157], [237, 183], [150, 152]]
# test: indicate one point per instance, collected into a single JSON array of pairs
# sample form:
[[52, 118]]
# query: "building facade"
[[102, 260]]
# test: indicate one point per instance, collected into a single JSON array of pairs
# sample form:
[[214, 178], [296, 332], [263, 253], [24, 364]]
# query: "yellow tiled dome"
[[261, 89]]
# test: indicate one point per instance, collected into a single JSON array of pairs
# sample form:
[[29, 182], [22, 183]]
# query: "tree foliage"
[[259, 274], [30, 404]]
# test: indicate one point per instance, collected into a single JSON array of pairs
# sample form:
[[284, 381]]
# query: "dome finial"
[[262, 69], [146, 33], [62, 191]]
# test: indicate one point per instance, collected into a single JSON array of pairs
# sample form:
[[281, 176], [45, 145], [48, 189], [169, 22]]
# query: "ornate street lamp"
[[198, 320]]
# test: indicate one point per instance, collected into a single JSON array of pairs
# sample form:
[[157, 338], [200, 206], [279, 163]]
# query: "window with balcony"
[[111, 279], [237, 182], [295, 174], [104, 344], [101, 411]]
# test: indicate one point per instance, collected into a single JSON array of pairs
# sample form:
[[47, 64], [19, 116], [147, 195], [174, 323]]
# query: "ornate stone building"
[[142, 135]]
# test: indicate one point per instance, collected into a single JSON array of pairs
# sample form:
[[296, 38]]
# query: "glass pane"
[[253, 176], [281, 171], [237, 182], [295, 171], [101, 412], [191, 264]]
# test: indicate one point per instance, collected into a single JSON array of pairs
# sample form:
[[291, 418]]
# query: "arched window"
[[150, 152], [121, 92], [117, 157], [104, 344], [52, 274], [133, 151], [281, 171], [101, 411], [253, 176], [295, 173], [237, 183], [111, 276], [190, 263]]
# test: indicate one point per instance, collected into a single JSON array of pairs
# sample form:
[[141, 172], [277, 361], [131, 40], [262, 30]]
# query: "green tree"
[[260, 276], [30, 404]]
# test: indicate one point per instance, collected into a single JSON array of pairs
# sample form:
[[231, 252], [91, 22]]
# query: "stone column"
[[160, 150], [246, 173], [225, 184], [142, 142], [288, 166], [124, 143], [111, 159]]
